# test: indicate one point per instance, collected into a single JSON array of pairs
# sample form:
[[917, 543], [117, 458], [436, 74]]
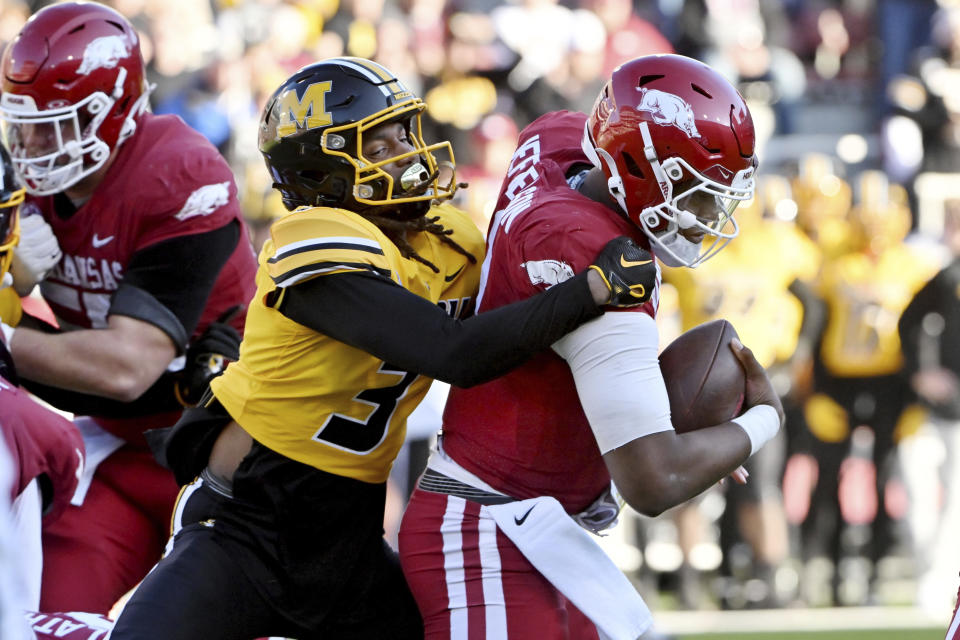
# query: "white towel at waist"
[[568, 557], [99, 445]]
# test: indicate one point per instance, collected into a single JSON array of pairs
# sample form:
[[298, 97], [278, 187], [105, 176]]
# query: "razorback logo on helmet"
[[667, 108], [103, 53], [205, 200], [294, 109], [548, 272]]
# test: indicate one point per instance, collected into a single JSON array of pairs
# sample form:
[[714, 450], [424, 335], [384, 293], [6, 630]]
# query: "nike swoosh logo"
[[626, 263], [453, 275], [520, 521], [101, 242]]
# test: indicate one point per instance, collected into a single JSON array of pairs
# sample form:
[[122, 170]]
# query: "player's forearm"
[[95, 361], [662, 470]]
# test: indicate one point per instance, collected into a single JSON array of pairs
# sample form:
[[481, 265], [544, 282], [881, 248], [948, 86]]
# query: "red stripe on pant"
[[953, 631]]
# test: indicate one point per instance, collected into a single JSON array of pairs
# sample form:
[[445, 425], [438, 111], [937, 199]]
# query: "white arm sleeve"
[[617, 372]]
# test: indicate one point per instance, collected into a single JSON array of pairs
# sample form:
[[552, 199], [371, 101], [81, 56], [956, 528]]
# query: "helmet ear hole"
[[632, 167]]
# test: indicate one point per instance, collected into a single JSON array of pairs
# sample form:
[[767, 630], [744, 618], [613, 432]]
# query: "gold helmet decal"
[[305, 113]]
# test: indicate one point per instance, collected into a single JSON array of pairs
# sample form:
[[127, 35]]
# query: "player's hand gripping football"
[[628, 270], [207, 358], [759, 389]]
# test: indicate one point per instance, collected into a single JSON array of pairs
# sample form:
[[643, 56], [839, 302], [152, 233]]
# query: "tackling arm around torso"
[[383, 319]]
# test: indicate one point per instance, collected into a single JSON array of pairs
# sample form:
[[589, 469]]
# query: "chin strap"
[[650, 153]]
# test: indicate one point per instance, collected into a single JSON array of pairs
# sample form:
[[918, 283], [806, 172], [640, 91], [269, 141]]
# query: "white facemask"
[[677, 251]]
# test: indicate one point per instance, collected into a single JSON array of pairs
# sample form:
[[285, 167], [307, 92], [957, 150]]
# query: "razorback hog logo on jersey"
[[205, 200], [667, 108], [548, 272], [103, 53], [303, 113]]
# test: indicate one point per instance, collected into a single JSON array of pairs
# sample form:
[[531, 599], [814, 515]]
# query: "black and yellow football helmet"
[[11, 195], [311, 137]]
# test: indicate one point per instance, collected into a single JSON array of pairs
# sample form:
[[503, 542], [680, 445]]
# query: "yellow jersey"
[[866, 297], [10, 309], [748, 284], [310, 397]]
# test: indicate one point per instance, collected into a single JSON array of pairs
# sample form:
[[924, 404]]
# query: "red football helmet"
[[73, 87], [664, 128]]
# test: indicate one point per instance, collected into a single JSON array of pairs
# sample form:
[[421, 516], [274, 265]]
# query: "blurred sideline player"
[[133, 231], [664, 157], [361, 297], [857, 377], [929, 330], [762, 285], [824, 199]]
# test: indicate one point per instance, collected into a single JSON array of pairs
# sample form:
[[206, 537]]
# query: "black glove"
[[207, 357], [628, 271]]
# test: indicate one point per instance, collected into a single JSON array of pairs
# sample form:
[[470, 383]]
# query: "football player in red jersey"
[[953, 631], [46, 449], [487, 543], [150, 250]]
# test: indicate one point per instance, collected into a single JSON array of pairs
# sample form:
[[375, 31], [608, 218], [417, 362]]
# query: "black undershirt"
[[154, 289], [380, 317]]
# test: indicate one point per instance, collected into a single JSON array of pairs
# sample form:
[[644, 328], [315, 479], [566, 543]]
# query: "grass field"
[[896, 634], [847, 623]]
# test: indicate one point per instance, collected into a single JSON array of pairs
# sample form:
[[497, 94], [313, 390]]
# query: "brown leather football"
[[705, 381]]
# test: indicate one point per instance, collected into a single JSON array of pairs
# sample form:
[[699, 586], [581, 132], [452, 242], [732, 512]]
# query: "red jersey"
[[525, 433], [166, 181], [41, 442]]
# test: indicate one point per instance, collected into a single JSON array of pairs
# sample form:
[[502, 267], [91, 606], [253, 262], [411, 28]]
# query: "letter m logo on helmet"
[[301, 114]]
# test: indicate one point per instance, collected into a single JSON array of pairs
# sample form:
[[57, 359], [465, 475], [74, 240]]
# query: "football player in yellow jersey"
[[763, 287], [11, 195], [858, 365], [363, 295]]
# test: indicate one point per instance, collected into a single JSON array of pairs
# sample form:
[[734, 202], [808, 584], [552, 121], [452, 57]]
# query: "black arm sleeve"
[[155, 284], [910, 325], [159, 398], [386, 320]]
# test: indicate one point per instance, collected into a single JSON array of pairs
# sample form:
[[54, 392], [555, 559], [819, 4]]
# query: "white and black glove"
[[37, 253]]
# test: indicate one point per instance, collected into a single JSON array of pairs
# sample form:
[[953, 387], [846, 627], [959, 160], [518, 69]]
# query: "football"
[[705, 381]]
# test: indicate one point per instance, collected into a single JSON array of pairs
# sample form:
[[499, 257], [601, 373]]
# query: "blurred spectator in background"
[[628, 35], [921, 126], [930, 336], [493, 143], [770, 77]]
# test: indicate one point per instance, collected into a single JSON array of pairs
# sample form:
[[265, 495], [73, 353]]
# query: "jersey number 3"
[[363, 436]]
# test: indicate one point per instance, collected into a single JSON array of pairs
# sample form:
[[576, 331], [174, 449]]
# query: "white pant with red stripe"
[[953, 631], [472, 583]]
